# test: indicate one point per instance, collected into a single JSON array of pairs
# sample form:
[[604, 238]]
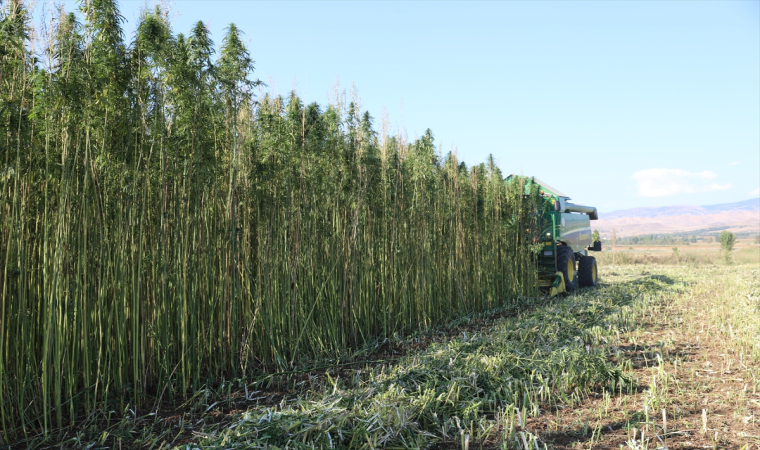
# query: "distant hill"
[[683, 210], [739, 217]]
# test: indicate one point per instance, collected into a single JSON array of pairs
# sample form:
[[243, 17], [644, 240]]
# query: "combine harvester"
[[563, 261]]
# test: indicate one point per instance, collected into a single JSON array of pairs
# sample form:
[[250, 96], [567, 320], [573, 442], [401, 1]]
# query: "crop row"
[[162, 228]]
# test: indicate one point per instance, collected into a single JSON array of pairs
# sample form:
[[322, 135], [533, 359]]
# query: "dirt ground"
[[696, 359]]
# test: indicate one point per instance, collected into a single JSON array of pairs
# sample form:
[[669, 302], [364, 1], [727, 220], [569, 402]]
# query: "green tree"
[[727, 240], [595, 236]]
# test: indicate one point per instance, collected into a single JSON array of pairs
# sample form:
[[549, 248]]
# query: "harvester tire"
[[566, 265], [587, 274]]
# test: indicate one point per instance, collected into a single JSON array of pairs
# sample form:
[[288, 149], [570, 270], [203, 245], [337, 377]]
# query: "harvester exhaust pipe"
[[590, 210]]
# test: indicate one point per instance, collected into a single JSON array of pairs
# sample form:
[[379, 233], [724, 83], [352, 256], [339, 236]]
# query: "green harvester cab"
[[564, 263]]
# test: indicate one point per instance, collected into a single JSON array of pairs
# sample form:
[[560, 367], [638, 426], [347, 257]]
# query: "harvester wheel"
[[566, 265], [587, 271]]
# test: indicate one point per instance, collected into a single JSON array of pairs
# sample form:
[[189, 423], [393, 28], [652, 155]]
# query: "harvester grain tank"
[[565, 239]]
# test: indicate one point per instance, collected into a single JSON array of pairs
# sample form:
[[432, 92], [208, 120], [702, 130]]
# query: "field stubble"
[[703, 254], [696, 357], [659, 356]]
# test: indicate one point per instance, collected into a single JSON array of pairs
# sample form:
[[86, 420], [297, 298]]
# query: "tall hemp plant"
[[162, 228]]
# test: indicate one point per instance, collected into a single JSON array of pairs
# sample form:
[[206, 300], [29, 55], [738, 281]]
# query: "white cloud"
[[754, 193], [665, 182], [734, 163]]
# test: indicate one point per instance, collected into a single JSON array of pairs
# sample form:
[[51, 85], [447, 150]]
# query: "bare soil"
[[711, 398]]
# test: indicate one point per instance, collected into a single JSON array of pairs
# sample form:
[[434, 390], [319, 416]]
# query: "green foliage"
[[595, 236], [162, 229], [550, 354], [657, 239], [727, 240]]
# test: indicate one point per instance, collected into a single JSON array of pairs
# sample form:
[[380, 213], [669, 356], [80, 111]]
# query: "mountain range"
[[739, 217], [752, 204]]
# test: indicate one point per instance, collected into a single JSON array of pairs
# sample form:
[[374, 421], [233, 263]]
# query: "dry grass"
[[696, 357], [745, 253]]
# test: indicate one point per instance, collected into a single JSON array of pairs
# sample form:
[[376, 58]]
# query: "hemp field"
[[659, 356]]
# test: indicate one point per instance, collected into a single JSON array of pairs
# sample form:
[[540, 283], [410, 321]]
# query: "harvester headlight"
[[548, 234]]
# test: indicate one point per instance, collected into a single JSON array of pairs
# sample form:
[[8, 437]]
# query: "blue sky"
[[618, 104]]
